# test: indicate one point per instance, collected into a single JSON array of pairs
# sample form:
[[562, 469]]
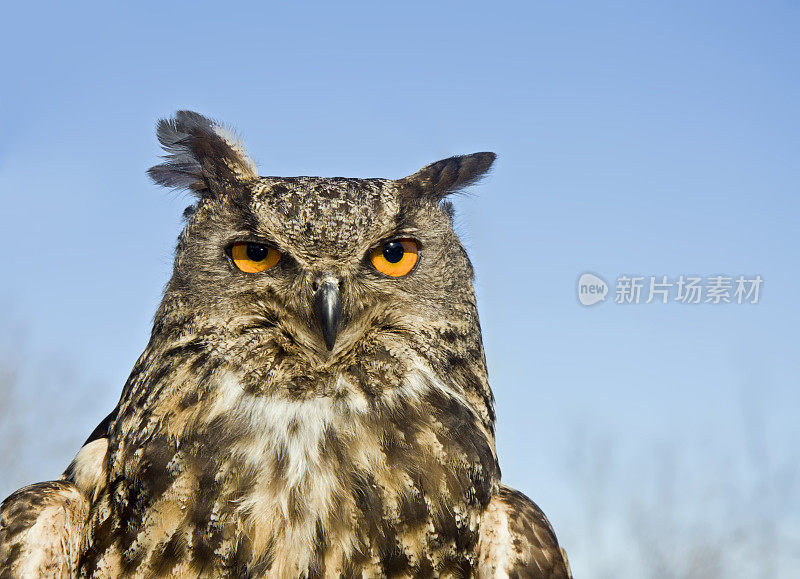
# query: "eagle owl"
[[313, 400]]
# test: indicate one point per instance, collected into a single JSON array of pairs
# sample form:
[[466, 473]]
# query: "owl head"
[[299, 276]]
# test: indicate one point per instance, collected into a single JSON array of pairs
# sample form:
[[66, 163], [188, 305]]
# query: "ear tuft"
[[202, 155], [441, 178]]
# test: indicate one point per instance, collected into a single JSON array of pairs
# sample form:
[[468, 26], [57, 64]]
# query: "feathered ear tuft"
[[439, 179], [202, 155]]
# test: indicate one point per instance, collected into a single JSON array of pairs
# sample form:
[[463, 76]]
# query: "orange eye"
[[395, 258], [254, 257]]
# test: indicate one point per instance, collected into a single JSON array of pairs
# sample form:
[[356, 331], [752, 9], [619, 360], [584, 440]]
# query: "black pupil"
[[393, 251], [257, 252]]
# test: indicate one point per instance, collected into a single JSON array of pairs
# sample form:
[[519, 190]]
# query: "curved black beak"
[[328, 310]]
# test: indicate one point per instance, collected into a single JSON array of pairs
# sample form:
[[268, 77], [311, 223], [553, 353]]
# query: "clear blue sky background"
[[641, 138]]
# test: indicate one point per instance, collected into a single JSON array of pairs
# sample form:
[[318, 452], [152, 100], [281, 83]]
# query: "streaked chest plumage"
[[341, 484]]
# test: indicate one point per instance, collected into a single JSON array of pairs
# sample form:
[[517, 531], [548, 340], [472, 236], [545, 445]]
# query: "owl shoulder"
[[517, 540]]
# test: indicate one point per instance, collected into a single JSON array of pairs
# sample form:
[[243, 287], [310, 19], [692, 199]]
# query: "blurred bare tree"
[[677, 511], [9, 431], [10, 423], [41, 407]]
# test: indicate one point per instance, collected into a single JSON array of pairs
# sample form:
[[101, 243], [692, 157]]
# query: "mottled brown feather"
[[42, 530], [517, 540]]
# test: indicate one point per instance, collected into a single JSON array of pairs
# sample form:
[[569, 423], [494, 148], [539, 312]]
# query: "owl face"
[[324, 245], [313, 273]]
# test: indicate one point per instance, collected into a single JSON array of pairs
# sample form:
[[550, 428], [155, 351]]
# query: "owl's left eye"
[[395, 258], [251, 257]]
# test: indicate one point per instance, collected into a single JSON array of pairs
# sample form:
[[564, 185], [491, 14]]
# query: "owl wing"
[[517, 540], [41, 530]]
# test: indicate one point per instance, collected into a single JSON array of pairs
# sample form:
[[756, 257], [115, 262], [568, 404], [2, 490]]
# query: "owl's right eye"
[[251, 257]]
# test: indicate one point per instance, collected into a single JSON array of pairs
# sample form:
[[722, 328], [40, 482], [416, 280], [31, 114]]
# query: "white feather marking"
[[89, 467], [295, 428], [294, 425], [237, 145], [423, 380], [495, 546]]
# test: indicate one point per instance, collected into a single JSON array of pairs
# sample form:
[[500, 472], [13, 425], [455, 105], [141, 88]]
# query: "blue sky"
[[656, 138]]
